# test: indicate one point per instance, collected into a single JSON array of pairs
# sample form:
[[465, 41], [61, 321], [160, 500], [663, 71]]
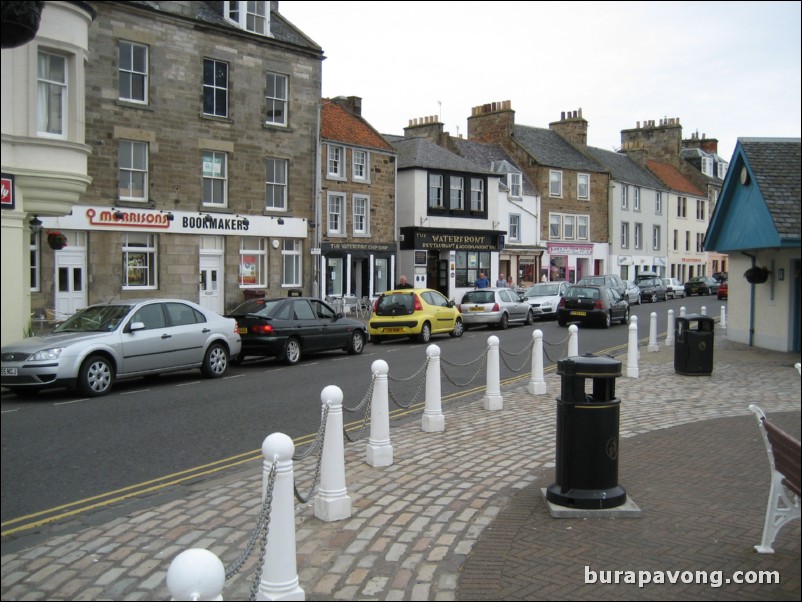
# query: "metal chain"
[[565, 340], [473, 378], [417, 391], [529, 348], [527, 360], [421, 369], [260, 523], [361, 428], [318, 439], [263, 550], [368, 395], [445, 361], [298, 495]]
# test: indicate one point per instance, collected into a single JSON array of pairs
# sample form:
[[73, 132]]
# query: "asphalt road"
[[63, 454]]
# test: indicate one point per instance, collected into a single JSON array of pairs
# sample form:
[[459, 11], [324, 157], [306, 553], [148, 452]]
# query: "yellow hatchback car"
[[415, 313]]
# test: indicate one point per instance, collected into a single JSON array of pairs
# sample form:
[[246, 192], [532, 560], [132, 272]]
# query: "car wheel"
[[653, 298], [377, 339], [504, 322], [95, 376], [625, 319], [425, 333], [530, 318], [458, 329], [356, 342], [561, 322], [608, 319], [291, 354], [215, 362], [639, 300]]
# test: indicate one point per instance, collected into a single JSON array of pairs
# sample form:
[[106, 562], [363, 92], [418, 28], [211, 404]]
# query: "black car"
[[594, 305], [701, 285], [652, 289], [287, 327]]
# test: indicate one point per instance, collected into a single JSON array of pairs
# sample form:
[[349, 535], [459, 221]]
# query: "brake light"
[[375, 305], [418, 306], [495, 307], [262, 329], [599, 304], [562, 302]]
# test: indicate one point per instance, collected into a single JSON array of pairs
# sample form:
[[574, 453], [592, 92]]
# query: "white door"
[[211, 279], [70, 294]]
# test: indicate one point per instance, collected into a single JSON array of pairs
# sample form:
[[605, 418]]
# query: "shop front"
[[449, 261], [570, 262], [214, 259], [358, 269]]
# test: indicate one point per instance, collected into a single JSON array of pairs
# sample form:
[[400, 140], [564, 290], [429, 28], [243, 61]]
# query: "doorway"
[[70, 281], [211, 270]]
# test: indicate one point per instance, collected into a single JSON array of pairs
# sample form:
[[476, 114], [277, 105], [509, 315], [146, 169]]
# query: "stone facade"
[[171, 121]]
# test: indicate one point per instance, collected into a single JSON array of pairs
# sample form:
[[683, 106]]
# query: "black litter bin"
[[586, 470], [693, 345]]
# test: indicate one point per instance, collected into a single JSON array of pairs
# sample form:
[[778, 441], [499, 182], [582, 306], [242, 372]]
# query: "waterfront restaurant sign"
[[456, 240], [84, 217]]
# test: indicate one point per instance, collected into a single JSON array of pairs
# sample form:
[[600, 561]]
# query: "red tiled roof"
[[671, 177], [338, 125]]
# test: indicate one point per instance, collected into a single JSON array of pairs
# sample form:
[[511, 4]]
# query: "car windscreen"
[[395, 303], [479, 297], [648, 282], [542, 290], [103, 318], [260, 307], [581, 292]]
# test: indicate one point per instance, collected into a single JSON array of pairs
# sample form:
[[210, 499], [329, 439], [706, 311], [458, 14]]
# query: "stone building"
[[203, 122]]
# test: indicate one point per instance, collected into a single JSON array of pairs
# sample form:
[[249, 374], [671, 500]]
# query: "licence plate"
[[579, 313], [390, 330], [243, 330], [8, 371], [478, 308]]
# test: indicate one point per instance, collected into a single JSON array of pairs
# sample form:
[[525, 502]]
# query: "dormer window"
[[707, 166], [514, 182], [250, 16]]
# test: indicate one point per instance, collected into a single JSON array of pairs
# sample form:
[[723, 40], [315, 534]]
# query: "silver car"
[[122, 339], [494, 307], [674, 288], [544, 298], [632, 292]]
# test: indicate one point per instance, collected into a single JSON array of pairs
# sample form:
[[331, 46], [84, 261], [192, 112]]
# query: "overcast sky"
[[725, 69]]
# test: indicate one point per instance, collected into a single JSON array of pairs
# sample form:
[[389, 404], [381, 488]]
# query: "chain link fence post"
[[279, 576], [537, 384], [433, 420], [493, 399], [379, 450], [332, 501]]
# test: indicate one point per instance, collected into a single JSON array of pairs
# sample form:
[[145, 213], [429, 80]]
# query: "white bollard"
[[632, 351], [537, 384], [670, 333], [723, 322], [573, 340], [634, 320], [682, 312], [653, 346], [332, 501], [196, 574], [279, 578], [493, 399], [704, 310], [433, 420], [379, 450]]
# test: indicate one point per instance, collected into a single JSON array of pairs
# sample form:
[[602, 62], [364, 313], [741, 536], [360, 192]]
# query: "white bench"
[[785, 460]]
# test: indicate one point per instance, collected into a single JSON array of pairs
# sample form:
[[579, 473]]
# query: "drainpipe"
[[751, 302]]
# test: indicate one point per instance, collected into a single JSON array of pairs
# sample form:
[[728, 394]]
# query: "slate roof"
[[775, 165], [421, 153], [211, 12], [551, 150], [623, 169], [492, 155], [673, 179], [339, 125]]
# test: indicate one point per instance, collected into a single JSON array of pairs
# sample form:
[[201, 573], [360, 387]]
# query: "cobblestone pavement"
[[460, 514]]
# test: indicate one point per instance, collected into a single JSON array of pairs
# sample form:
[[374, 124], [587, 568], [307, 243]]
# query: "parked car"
[[416, 313], [721, 276], [593, 305], [610, 280], [103, 343], [652, 289], [632, 292], [497, 307], [723, 290], [288, 327], [674, 288], [544, 298], [701, 285]]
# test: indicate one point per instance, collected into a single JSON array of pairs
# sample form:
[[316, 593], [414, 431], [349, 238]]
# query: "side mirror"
[[136, 326], [451, 303]]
